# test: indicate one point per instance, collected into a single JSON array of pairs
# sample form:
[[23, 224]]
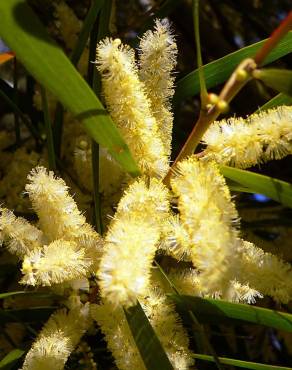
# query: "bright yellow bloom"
[[265, 272], [19, 235], [120, 341], [158, 53], [57, 340], [129, 106], [132, 241], [207, 218], [245, 142], [55, 263]]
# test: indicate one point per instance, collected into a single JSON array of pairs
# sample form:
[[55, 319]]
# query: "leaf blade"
[[213, 310], [278, 190], [219, 70], [11, 358], [240, 363], [26, 36], [150, 348]]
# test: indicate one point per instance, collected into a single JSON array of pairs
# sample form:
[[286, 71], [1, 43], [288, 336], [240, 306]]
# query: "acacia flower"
[[131, 242], [129, 106], [55, 263], [245, 142], [57, 340], [158, 52], [208, 217], [265, 272], [19, 235]]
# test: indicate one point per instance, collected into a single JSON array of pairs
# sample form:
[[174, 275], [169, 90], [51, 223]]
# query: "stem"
[[100, 30], [49, 133], [274, 39], [16, 99], [203, 92], [230, 89]]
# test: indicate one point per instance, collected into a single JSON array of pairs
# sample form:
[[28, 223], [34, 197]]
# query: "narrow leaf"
[[278, 79], [149, 346], [218, 311], [86, 29], [11, 358], [27, 293], [280, 191], [42, 57], [218, 71], [280, 99], [240, 363]]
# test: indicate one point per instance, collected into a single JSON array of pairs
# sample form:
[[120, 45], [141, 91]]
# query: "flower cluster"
[[246, 142], [194, 220]]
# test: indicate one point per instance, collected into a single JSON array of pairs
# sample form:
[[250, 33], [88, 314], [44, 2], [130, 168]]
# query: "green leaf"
[[218, 311], [280, 99], [240, 363], [280, 191], [278, 79], [85, 31], [33, 314], [218, 71], [26, 36], [27, 293], [149, 346], [11, 358], [235, 186]]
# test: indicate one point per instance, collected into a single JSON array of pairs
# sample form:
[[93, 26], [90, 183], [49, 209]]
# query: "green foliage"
[[150, 348], [278, 79], [23, 32]]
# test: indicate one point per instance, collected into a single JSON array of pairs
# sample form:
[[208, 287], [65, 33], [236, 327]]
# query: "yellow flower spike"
[[57, 340], [243, 143], [265, 272], [208, 216], [17, 233], [55, 263], [129, 106], [158, 52], [131, 242]]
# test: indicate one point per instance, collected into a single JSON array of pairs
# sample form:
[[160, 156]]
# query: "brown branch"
[[231, 88], [274, 39]]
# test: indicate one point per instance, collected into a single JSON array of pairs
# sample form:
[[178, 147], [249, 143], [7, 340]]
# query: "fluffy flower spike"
[[57, 339], [131, 242], [245, 142], [129, 106], [58, 214], [158, 53], [55, 263], [17, 233], [207, 215]]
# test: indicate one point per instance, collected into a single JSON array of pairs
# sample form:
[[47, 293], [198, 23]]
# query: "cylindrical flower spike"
[[55, 263], [59, 217], [18, 234], [189, 282], [208, 215], [245, 142], [120, 341], [58, 214], [265, 272], [158, 53], [131, 242], [129, 106], [167, 325], [57, 340], [164, 321]]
